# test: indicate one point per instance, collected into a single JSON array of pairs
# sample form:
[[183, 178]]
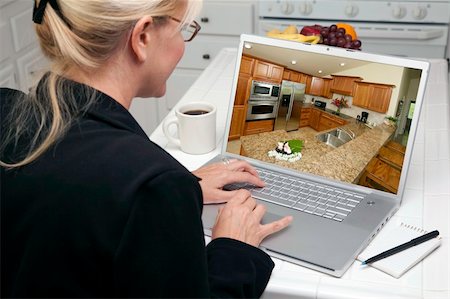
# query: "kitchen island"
[[345, 163]]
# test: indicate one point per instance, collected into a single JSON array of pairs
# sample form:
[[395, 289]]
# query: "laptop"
[[345, 175]]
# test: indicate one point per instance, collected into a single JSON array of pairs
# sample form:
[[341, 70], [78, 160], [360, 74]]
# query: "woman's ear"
[[141, 36]]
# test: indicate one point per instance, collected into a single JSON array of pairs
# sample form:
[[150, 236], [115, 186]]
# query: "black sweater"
[[105, 212]]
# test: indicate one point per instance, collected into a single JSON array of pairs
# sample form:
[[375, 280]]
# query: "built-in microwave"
[[265, 90]]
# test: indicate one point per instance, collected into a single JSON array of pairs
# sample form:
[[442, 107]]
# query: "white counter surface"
[[426, 201]]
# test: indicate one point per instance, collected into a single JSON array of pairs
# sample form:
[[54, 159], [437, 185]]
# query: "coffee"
[[196, 112]]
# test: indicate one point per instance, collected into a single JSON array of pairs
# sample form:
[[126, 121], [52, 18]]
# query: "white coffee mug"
[[196, 126]]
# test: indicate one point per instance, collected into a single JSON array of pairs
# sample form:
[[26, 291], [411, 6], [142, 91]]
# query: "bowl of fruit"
[[338, 35]]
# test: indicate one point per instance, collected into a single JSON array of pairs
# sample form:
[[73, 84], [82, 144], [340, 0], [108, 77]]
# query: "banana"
[[313, 39]]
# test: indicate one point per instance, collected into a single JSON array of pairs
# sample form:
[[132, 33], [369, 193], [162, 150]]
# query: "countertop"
[[426, 200], [319, 158]]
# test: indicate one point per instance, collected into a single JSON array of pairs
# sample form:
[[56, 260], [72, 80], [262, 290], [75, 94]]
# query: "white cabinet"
[[21, 60], [222, 23]]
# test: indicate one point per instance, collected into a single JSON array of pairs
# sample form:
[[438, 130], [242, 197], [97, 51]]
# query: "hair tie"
[[39, 11]]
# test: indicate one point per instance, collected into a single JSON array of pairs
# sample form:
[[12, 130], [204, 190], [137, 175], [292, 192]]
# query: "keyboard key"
[[284, 190]]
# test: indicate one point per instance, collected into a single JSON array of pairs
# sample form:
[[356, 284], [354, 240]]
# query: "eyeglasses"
[[188, 31]]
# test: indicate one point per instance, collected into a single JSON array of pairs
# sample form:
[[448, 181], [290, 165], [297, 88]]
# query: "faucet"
[[349, 132]]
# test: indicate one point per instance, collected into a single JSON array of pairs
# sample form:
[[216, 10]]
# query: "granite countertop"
[[345, 163]]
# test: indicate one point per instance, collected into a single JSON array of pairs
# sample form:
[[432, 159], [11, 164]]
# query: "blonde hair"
[[89, 34]]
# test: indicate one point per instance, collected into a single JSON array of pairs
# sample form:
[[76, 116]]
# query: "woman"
[[90, 206]]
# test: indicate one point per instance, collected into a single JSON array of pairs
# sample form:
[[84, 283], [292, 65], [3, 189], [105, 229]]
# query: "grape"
[[347, 45], [339, 34], [356, 44], [331, 35], [326, 41], [324, 32], [341, 42], [348, 37], [342, 30], [333, 28], [333, 41]]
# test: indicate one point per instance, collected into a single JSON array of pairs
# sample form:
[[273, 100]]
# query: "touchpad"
[[270, 217]]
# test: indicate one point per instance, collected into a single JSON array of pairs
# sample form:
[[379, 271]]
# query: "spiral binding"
[[415, 228]]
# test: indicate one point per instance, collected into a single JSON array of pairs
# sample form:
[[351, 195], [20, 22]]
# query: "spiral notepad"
[[396, 265]]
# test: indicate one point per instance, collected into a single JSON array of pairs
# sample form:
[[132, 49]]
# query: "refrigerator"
[[291, 98]]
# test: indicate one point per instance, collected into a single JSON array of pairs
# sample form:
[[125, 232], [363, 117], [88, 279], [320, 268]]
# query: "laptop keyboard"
[[292, 192]]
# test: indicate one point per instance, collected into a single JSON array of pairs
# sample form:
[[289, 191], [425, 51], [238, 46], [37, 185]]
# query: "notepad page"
[[396, 265]]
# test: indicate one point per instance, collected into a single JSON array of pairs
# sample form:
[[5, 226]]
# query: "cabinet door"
[[295, 76], [276, 73], [314, 119], [258, 126], [380, 97], [247, 64], [262, 69], [287, 75], [242, 89], [316, 86], [361, 95], [304, 78], [227, 17], [237, 122], [327, 122], [203, 49], [326, 88]]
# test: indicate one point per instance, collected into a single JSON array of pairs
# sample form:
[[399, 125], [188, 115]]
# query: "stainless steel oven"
[[415, 28], [261, 109]]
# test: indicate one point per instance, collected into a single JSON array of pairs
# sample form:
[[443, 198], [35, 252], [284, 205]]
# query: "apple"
[[311, 30]]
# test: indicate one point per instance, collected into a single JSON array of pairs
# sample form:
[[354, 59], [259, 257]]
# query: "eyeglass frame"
[[194, 25]]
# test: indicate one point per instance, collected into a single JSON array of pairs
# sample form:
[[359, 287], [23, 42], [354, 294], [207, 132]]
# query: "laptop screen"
[[327, 112]]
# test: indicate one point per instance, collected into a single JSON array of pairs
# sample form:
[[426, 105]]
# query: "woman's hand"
[[240, 219], [217, 175]]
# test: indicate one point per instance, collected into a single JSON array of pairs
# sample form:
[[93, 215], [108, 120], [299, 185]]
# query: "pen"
[[402, 247]]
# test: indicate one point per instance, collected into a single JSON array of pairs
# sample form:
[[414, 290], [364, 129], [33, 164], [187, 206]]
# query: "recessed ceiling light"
[[342, 64], [248, 46], [319, 71], [294, 61]]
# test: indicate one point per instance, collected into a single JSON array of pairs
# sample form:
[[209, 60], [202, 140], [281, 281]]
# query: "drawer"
[[258, 126], [203, 49], [227, 18], [304, 114], [304, 123]]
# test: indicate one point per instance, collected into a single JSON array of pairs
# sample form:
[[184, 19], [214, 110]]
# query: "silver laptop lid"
[[286, 91]]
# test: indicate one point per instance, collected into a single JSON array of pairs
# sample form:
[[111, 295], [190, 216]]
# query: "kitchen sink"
[[335, 138]]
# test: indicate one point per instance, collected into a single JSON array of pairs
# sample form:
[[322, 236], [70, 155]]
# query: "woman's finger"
[[276, 226], [235, 177], [240, 165]]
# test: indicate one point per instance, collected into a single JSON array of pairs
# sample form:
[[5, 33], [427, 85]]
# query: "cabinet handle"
[[206, 56], [204, 20]]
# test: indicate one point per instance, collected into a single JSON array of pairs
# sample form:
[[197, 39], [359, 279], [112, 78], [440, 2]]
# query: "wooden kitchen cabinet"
[[373, 96], [291, 75], [328, 121], [343, 84], [247, 65], [258, 126], [304, 117], [314, 118], [240, 104], [316, 86], [243, 89], [267, 71], [320, 87], [326, 93], [237, 122]]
